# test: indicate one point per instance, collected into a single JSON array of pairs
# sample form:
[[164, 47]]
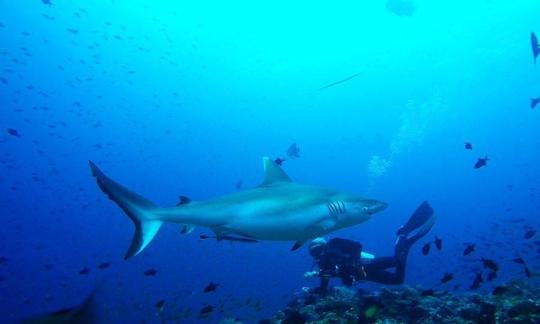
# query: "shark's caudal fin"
[[140, 210]]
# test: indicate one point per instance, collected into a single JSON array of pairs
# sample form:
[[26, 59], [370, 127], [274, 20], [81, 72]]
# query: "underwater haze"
[[184, 98]]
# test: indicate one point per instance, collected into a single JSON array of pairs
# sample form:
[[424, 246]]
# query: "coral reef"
[[516, 302]]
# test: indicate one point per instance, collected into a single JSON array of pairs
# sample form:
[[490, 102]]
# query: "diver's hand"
[[311, 274]]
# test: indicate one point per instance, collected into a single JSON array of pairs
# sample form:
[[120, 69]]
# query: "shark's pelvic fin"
[[297, 245], [186, 228], [273, 173], [139, 210]]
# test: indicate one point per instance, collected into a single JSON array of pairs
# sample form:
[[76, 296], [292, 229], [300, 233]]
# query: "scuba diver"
[[344, 258]]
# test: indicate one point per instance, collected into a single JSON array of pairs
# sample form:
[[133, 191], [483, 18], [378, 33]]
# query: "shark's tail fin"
[[140, 210]]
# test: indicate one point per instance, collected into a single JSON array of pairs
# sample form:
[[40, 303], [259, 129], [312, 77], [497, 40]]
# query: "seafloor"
[[516, 302]]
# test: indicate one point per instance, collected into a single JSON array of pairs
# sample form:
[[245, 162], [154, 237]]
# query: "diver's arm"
[[366, 257]]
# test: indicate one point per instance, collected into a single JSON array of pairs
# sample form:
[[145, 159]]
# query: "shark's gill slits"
[[336, 207], [331, 209]]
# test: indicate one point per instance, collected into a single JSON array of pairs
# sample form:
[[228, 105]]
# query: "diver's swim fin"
[[418, 218], [404, 243]]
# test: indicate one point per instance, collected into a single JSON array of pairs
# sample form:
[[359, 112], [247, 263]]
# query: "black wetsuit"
[[341, 258]]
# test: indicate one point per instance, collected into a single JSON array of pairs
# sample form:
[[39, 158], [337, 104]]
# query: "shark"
[[278, 209]]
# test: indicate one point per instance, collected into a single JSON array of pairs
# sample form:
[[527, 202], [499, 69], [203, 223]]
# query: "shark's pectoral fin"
[[220, 231], [297, 245], [186, 229], [322, 226]]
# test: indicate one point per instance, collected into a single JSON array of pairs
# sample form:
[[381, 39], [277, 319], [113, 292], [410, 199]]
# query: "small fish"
[[518, 260], [427, 292], [206, 310], [293, 151], [447, 277], [478, 280], [211, 287], [339, 82], [104, 265], [13, 132], [46, 2], [150, 272], [535, 46], [438, 243], [426, 248], [468, 146], [482, 162], [183, 200], [534, 102], [238, 184], [73, 31], [491, 276], [469, 249], [160, 304], [499, 290], [84, 271], [490, 264], [279, 161], [527, 271], [529, 234]]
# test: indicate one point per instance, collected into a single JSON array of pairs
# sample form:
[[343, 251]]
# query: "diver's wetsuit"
[[341, 258]]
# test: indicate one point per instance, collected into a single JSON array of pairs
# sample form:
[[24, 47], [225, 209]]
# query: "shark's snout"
[[376, 206]]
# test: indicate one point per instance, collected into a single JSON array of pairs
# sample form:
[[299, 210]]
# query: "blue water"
[[172, 99]]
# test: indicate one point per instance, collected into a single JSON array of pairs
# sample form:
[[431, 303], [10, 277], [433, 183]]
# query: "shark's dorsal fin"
[[273, 173]]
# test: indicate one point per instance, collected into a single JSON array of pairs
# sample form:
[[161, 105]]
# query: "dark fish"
[[535, 46], [482, 162], [183, 200], [469, 249], [468, 146], [340, 81], [477, 281], [73, 31], [228, 238], [150, 272], [518, 260], [427, 292], [84, 271], [490, 264], [238, 184], [529, 234], [535, 102], [3, 259], [160, 304], [279, 161], [426, 248], [491, 276], [206, 310], [211, 287], [293, 151], [104, 265], [447, 277], [527, 271], [438, 243], [85, 313], [46, 2], [499, 290], [13, 132]]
